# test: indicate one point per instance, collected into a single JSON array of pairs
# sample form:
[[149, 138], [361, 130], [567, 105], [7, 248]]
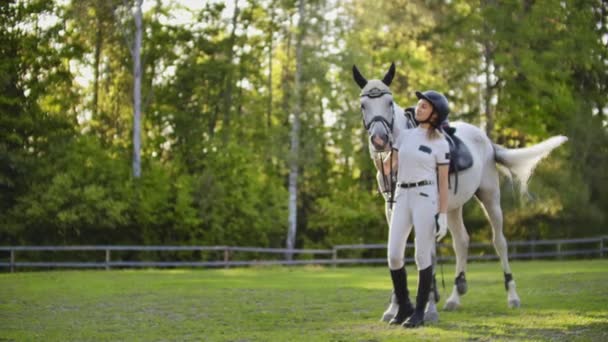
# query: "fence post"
[[533, 254], [226, 257], [334, 256], [602, 247], [12, 260], [559, 251], [108, 259]]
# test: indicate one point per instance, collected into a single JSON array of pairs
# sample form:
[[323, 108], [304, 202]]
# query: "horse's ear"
[[388, 78], [361, 81]]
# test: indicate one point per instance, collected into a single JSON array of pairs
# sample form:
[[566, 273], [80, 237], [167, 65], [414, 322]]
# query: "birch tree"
[[134, 44], [295, 139], [136, 52]]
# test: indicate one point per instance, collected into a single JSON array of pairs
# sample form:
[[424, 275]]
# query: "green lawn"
[[560, 301]]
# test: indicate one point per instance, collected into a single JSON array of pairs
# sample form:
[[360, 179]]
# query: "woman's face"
[[424, 109]]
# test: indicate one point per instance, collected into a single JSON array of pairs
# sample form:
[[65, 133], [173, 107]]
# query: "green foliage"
[[30, 122], [80, 195], [238, 203], [348, 217], [217, 98]]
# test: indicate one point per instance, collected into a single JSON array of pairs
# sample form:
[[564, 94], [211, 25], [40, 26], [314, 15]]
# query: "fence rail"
[[561, 248]]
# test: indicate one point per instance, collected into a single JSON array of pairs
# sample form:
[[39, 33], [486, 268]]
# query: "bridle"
[[390, 181], [374, 93]]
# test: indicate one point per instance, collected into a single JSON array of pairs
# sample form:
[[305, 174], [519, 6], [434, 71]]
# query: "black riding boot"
[[425, 277], [403, 299]]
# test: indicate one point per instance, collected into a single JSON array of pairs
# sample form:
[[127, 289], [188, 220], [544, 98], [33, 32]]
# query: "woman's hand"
[[441, 220]]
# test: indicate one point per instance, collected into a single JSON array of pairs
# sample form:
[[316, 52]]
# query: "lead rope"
[[440, 266], [392, 198], [379, 157], [388, 181]]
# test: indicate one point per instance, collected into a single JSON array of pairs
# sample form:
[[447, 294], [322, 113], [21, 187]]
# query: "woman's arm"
[[442, 172]]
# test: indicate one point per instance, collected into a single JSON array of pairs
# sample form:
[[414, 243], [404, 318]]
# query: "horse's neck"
[[401, 121]]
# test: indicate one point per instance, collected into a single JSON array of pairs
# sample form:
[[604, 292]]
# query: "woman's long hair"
[[433, 130]]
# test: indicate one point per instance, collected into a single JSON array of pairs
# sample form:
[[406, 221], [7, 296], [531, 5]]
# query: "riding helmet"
[[439, 102]]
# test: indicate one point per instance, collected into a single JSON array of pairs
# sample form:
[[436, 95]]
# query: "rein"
[[388, 180], [374, 93]]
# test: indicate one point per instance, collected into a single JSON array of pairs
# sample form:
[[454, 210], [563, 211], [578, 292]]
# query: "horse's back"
[[476, 140]]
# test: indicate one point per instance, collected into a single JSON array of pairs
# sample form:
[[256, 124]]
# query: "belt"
[[413, 185]]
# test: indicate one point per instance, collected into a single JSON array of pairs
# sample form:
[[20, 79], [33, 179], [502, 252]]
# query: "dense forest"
[[225, 86]]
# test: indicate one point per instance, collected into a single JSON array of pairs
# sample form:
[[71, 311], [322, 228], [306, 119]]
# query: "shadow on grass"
[[597, 331]]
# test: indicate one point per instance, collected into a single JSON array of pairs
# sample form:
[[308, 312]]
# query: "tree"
[[295, 133], [36, 103], [137, 76]]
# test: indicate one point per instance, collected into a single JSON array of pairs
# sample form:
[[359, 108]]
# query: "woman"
[[422, 161]]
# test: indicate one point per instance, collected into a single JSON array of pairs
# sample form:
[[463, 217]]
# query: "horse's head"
[[377, 108]]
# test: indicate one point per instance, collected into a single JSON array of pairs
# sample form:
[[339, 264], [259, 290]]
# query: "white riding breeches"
[[415, 206]]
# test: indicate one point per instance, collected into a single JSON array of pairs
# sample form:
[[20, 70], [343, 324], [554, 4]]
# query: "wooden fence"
[[590, 247]]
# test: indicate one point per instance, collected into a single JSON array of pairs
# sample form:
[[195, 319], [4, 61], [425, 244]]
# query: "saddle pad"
[[461, 158]]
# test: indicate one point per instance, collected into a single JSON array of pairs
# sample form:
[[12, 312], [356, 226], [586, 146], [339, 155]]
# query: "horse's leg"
[[392, 309], [393, 306], [431, 314], [460, 242], [489, 195]]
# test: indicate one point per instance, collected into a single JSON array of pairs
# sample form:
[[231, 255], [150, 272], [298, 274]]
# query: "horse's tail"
[[520, 162]]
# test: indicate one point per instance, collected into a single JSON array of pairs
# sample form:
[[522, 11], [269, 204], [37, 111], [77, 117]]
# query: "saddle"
[[460, 156]]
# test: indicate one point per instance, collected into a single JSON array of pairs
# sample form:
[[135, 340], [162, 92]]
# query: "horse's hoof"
[[514, 303], [431, 317], [451, 306], [387, 316], [461, 287]]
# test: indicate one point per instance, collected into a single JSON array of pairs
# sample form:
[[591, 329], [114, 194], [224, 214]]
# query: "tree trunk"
[[488, 56], [96, 62], [230, 76], [295, 139], [214, 113], [285, 74], [137, 91], [270, 36], [489, 115]]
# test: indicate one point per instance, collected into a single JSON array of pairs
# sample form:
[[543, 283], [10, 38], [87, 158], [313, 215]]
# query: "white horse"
[[384, 119]]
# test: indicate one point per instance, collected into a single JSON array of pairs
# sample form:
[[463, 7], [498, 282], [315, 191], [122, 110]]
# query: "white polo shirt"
[[419, 155]]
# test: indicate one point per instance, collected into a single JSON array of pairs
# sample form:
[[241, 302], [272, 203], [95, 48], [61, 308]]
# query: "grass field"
[[560, 301]]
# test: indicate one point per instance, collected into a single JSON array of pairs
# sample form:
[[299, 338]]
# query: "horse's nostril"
[[379, 141]]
